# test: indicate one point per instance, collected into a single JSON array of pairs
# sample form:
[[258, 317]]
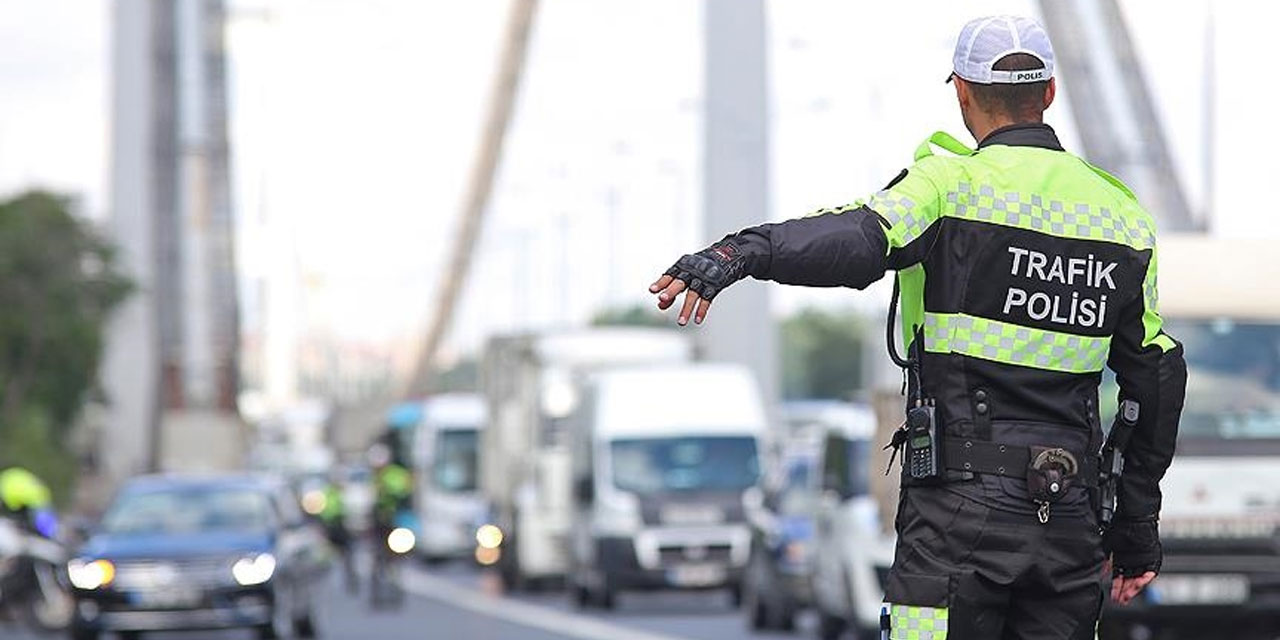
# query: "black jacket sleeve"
[[1150, 369], [849, 246], [829, 250]]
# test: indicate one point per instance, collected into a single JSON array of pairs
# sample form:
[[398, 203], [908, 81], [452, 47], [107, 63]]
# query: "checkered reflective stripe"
[[1150, 294], [905, 223], [917, 623], [1013, 344], [1031, 211]]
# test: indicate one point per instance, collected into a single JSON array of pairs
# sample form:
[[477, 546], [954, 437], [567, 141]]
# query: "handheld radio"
[[922, 449], [919, 434]]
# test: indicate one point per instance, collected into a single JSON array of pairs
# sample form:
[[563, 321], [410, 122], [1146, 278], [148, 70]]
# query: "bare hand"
[[667, 288], [1125, 588]]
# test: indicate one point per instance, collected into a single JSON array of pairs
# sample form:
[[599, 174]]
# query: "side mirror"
[[832, 483], [584, 490]]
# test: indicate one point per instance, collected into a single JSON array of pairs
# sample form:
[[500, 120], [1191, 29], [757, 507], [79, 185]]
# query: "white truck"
[[1220, 521], [446, 444], [660, 477], [530, 384]]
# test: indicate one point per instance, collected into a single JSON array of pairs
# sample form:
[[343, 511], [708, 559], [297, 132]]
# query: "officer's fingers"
[[1116, 584], [669, 293], [1136, 585], [660, 284], [1132, 587], [701, 313], [690, 302]]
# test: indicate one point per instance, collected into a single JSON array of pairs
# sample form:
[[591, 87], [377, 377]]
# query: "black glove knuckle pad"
[[1134, 547], [709, 271]]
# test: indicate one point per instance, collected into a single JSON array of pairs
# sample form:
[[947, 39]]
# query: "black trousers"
[[966, 571]]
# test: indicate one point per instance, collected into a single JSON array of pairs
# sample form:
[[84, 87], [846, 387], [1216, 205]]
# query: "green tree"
[[633, 316], [59, 282], [822, 354]]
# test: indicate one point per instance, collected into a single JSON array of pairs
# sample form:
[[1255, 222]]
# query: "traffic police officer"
[[26, 498], [1023, 271]]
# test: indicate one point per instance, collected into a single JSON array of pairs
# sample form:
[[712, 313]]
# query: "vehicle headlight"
[[618, 514], [489, 536], [314, 502], [91, 574], [401, 540], [255, 569]]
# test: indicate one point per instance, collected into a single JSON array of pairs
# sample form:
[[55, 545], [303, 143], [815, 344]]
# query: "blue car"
[[777, 582], [199, 552]]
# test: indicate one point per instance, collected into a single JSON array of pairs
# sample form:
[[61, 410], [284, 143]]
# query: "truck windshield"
[[1233, 380], [690, 463], [455, 460]]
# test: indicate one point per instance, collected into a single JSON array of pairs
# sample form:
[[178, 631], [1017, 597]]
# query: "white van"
[[531, 383], [445, 460], [662, 458], [854, 556]]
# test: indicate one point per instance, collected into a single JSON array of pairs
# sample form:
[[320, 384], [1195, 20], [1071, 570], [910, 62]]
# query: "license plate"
[[1199, 589], [696, 575], [171, 598]]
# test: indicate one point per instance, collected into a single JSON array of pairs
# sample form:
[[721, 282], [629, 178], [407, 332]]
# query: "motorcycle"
[[32, 589], [391, 546]]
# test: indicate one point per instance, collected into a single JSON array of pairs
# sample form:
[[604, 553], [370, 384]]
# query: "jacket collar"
[[1031, 134]]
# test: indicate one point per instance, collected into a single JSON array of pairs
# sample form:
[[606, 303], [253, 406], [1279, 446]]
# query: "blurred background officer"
[[1023, 271], [26, 498], [393, 489], [334, 518]]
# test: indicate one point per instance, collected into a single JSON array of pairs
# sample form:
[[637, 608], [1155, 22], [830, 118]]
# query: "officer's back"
[[1023, 273]]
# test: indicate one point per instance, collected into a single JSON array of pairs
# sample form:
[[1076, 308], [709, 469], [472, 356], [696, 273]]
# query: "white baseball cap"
[[984, 41]]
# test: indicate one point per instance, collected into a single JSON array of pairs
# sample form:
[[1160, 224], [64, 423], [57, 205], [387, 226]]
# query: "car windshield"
[[797, 496], [1233, 379], [189, 510], [456, 460], [689, 463]]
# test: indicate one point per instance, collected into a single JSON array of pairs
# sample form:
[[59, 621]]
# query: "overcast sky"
[[355, 121]]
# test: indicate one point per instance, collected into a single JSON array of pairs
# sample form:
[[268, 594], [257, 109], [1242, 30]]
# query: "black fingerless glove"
[[709, 271], [1134, 546]]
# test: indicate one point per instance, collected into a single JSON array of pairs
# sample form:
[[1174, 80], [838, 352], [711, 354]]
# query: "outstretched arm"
[[850, 246]]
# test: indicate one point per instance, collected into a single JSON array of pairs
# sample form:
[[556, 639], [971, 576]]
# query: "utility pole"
[[736, 174]]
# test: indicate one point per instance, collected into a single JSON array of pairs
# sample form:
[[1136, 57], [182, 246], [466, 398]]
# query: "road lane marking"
[[521, 613]]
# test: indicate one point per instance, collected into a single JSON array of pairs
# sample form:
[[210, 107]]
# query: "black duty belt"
[[993, 458]]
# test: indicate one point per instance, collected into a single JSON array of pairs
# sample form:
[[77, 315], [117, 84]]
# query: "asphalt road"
[[458, 603]]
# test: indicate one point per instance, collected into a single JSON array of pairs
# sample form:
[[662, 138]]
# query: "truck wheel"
[[83, 633], [735, 595], [830, 627], [757, 614], [867, 634], [581, 597], [305, 627], [786, 619], [607, 598], [509, 569]]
